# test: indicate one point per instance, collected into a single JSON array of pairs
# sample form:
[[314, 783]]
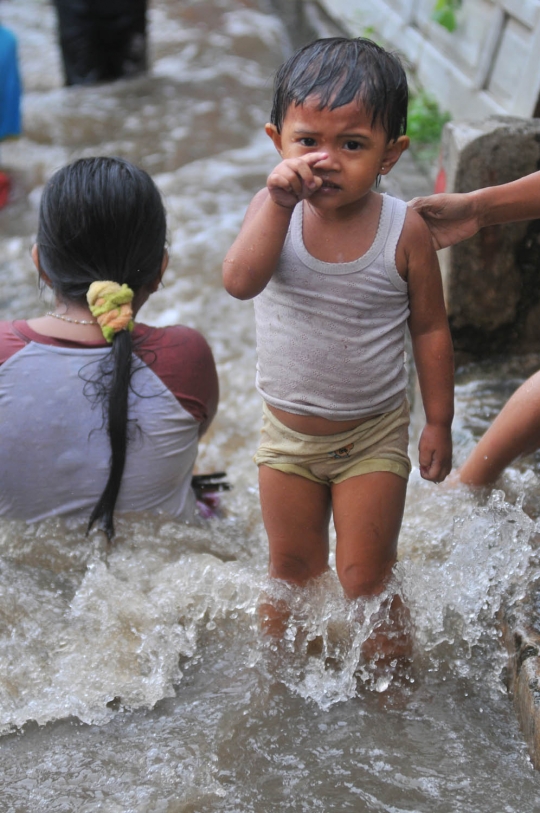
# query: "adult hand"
[[450, 218]]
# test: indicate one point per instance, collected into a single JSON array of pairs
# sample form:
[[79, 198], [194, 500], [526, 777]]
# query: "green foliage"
[[444, 13], [425, 120], [370, 33]]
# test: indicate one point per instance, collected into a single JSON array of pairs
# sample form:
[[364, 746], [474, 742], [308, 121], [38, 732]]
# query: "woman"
[[97, 412]]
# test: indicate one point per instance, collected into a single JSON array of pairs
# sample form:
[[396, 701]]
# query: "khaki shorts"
[[378, 444]]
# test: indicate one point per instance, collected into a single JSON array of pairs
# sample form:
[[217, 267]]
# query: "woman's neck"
[[68, 320]]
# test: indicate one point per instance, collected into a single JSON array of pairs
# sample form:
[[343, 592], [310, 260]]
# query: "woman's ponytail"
[[117, 368], [110, 304]]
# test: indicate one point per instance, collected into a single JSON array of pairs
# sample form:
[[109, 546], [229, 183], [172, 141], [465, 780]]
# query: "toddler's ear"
[[394, 150], [272, 132]]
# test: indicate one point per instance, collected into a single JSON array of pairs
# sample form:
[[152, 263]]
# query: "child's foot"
[[274, 617], [388, 652]]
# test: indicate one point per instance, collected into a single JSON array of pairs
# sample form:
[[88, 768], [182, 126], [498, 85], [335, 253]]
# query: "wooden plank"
[[523, 646]]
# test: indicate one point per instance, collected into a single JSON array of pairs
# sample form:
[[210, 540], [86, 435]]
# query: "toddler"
[[338, 271]]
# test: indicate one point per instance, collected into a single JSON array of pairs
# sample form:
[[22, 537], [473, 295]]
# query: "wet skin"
[[330, 160], [351, 153]]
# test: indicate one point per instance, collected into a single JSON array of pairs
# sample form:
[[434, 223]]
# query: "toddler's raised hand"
[[294, 180]]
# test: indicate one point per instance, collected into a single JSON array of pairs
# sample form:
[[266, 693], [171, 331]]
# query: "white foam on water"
[[155, 642]]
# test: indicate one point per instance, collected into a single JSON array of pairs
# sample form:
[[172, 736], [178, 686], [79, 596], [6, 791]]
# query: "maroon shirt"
[[178, 355]]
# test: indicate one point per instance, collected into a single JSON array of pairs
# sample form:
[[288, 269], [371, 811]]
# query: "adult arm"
[[454, 217], [432, 348]]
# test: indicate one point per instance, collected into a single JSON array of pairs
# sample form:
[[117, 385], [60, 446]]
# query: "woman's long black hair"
[[103, 219]]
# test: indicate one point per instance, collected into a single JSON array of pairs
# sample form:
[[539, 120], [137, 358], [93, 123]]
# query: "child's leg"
[[515, 431], [368, 510], [296, 516]]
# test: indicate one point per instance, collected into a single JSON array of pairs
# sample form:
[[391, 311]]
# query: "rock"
[[492, 281], [523, 645]]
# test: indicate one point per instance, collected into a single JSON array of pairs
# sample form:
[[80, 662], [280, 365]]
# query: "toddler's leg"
[[296, 515], [368, 510], [515, 431]]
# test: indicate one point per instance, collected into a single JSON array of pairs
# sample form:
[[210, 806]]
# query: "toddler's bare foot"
[[389, 649]]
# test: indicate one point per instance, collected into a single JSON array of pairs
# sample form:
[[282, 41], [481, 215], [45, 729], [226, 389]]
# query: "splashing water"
[[93, 630], [137, 676]]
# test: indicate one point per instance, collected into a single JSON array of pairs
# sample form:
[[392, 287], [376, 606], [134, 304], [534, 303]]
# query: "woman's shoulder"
[[181, 357], [179, 339], [11, 340]]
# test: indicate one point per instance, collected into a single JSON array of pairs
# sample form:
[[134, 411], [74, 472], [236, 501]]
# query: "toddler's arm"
[[432, 347], [254, 255], [455, 217]]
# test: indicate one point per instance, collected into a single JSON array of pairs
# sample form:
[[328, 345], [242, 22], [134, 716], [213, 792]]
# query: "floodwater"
[[135, 677]]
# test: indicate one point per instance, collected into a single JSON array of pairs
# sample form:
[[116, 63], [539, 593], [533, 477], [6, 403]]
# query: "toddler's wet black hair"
[[338, 71]]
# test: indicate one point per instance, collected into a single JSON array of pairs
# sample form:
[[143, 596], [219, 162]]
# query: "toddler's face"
[[357, 151]]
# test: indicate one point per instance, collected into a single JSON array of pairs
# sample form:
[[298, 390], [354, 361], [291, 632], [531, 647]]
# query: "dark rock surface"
[[492, 284]]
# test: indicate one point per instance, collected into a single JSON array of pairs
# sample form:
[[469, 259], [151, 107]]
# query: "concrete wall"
[[489, 65]]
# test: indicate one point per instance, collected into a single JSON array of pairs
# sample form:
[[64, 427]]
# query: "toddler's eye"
[[307, 142], [352, 145]]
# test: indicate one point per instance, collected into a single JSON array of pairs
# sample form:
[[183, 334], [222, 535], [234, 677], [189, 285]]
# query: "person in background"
[[10, 99], [101, 40], [100, 413], [451, 218]]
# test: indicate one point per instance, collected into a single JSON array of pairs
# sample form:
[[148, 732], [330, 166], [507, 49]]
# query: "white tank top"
[[330, 336]]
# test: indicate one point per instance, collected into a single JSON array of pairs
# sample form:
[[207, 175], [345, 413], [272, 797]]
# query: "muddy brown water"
[[136, 678]]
